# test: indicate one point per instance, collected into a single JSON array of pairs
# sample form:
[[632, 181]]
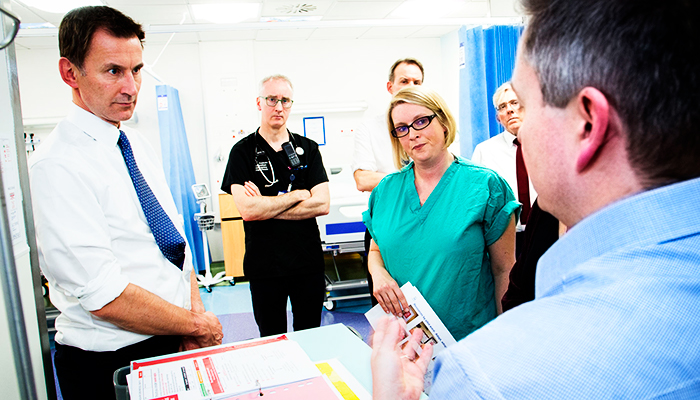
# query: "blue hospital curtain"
[[177, 164], [489, 59]]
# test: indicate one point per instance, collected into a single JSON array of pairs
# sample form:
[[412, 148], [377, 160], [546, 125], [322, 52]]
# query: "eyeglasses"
[[504, 106], [417, 125], [9, 25], [272, 101]]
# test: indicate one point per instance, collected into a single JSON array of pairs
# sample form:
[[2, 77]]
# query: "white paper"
[[419, 315], [221, 371]]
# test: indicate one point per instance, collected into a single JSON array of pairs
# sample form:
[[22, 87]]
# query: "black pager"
[[291, 154]]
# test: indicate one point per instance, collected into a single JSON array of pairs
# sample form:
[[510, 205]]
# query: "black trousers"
[[269, 296], [88, 374]]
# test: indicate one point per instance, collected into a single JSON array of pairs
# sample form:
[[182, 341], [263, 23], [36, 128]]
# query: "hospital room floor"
[[233, 307]]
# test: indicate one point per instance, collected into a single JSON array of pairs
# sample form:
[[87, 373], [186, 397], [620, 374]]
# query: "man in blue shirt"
[[611, 146]]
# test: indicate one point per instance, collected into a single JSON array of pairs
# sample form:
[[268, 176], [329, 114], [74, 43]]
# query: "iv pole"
[[205, 221]]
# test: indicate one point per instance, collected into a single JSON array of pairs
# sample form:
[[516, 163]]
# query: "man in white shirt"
[[373, 158], [122, 293], [499, 152]]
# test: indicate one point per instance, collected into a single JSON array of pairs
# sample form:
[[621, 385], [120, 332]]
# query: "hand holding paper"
[[386, 290], [398, 373], [420, 319], [388, 294]]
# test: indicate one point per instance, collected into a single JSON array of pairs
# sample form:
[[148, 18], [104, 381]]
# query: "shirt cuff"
[[104, 289]]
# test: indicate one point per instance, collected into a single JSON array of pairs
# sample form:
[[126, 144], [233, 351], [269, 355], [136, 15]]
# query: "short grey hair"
[[638, 53], [499, 92], [275, 77]]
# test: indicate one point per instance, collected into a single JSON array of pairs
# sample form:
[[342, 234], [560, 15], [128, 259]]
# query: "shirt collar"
[[649, 217], [93, 126], [509, 138]]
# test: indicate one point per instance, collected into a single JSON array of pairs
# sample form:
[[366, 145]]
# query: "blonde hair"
[[430, 99]]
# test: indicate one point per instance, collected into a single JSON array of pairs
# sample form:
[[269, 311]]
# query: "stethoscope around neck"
[[262, 167]]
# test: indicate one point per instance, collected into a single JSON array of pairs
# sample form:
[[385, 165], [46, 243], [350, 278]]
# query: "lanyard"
[[262, 167]]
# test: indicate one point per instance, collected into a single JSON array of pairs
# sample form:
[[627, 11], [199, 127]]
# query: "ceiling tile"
[[284, 34], [504, 8], [220, 36], [52, 18], [471, 9], [338, 33], [361, 10], [25, 15], [156, 15], [162, 38], [224, 1], [461, 9], [434, 31], [121, 3], [170, 12], [391, 32]]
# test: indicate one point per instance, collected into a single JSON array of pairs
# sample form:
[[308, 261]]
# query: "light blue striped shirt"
[[616, 315]]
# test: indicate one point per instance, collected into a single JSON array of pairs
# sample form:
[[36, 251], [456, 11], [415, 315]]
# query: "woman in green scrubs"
[[442, 223]]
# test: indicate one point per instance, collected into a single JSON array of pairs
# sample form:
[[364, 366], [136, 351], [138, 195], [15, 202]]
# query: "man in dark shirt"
[[279, 195], [541, 232]]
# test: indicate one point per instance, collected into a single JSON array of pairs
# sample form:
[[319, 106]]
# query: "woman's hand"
[[386, 290]]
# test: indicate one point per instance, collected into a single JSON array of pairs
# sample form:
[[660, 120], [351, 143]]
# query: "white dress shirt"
[[92, 233], [498, 153], [373, 146]]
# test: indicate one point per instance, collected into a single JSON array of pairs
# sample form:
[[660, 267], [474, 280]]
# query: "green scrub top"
[[441, 247]]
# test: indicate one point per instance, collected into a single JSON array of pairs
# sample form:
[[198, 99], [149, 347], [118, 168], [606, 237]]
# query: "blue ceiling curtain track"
[[489, 59], [177, 164]]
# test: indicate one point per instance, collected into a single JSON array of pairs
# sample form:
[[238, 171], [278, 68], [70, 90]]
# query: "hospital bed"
[[342, 231]]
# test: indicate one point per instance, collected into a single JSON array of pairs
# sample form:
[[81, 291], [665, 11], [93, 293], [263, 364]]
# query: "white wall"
[[218, 84]]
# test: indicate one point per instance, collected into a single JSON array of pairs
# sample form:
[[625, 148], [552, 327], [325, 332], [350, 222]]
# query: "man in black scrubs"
[[280, 186]]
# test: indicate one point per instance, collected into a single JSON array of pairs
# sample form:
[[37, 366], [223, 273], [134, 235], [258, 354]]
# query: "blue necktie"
[[169, 240]]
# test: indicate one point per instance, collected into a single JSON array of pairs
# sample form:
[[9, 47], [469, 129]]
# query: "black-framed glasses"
[[9, 25], [272, 101], [504, 106], [417, 125]]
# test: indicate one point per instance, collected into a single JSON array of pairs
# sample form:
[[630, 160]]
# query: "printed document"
[[222, 371], [419, 315]]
